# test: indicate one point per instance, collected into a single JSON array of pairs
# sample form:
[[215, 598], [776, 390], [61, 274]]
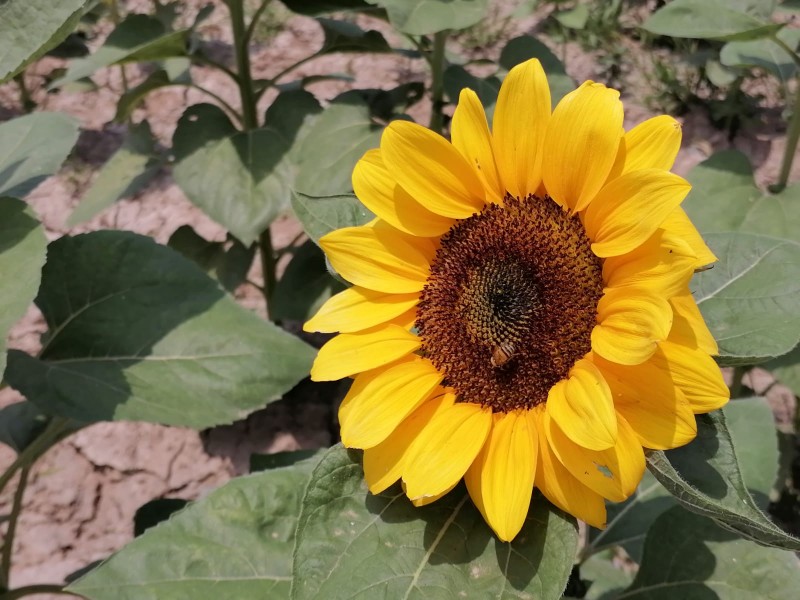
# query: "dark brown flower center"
[[510, 303]]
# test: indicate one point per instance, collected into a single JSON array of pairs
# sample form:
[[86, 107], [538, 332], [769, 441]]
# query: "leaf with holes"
[[751, 298], [138, 332], [353, 544]]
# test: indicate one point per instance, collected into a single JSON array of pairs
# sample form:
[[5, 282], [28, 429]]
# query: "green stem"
[[736, 383], [11, 530], [268, 266], [248, 35], [273, 80], [42, 588], [792, 137], [24, 94], [54, 431], [210, 62], [437, 81], [234, 113], [249, 116]]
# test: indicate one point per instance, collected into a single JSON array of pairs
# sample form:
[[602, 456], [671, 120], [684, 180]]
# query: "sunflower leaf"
[[354, 544], [751, 298], [422, 17], [707, 19], [689, 556], [322, 214], [706, 478]]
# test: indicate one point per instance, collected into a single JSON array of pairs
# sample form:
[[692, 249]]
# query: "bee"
[[502, 353]]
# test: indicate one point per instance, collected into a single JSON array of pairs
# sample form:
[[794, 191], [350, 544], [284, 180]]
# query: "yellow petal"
[[583, 408], [612, 473], [357, 308], [696, 374], [470, 134], [500, 481], [432, 170], [561, 488], [380, 193], [655, 408], [376, 258], [581, 144], [379, 400], [678, 223], [663, 265], [629, 209], [443, 452], [688, 326], [425, 500], [519, 127], [630, 322], [383, 464], [653, 144], [351, 353]]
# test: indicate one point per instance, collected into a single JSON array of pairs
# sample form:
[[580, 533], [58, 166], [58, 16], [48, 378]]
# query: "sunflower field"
[[442, 299]]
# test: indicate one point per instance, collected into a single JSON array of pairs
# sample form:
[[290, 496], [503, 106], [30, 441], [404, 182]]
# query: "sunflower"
[[520, 315]]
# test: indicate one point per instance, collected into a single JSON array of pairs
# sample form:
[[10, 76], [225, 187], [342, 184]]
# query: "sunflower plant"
[[527, 313]]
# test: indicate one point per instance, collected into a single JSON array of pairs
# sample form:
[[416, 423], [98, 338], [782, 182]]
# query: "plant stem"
[[792, 137], [736, 383], [52, 433], [245, 77], [437, 81], [210, 62], [273, 80], [16, 509], [248, 35], [24, 94], [41, 588], [268, 266], [233, 112]]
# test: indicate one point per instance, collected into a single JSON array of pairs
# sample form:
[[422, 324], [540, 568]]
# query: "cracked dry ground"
[[83, 494]]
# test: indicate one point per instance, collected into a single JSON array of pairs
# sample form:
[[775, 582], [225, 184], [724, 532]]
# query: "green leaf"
[[30, 28], [524, 47], [22, 254], [33, 148], [628, 522], [240, 179], [20, 424], [235, 543], [765, 54], [443, 550], [574, 18], [724, 197], [175, 73], [605, 580], [342, 36], [228, 262], [422, 17], [138, 332], [752, 429], [312, 8], [321, 215], [689, 557], [139, 38], [707, 19], [750, 298], [154, 512], [456, 78], [304, 285], [705, 477], [786, 369], [264, 462], [333, 144], [128, 170]]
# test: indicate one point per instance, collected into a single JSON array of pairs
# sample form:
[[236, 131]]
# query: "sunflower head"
[[521, 314]]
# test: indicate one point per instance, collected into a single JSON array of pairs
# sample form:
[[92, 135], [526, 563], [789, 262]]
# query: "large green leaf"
[[127, 171], [421, 17], [29, 28], [321, 215], [138, 38], [175, 71], [706, 478], [236, 543], [708, 19], [688, 556], [751, 298], [333, 144], [351, 544], [138, 332], [32, 148], [765, 54], [343, 36], [724, 197], [240, 179], [605, 580], [20, 424], [22, 254], [312, 8], [304, 285]]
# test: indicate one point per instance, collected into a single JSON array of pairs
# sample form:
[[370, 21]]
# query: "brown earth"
[[82, 495]]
